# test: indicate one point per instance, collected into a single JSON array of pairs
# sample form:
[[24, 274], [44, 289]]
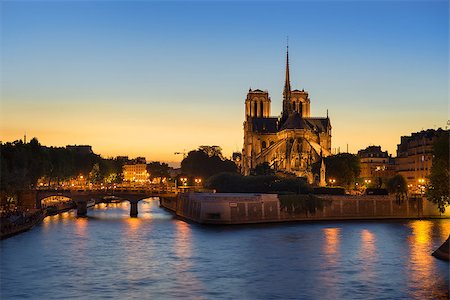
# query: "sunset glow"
[[151, 78]]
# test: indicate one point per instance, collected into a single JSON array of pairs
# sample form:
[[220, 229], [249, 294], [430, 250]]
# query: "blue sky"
[[151, 78]]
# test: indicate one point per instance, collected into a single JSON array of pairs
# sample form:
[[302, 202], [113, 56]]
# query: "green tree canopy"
[[344, 168], [263, 169], [237, 183], [438, 188], [204, 163], [158, 170], [397, 185], [22, 164], [212, 151]]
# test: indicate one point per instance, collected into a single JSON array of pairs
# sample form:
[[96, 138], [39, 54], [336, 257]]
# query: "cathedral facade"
[[291, 142]]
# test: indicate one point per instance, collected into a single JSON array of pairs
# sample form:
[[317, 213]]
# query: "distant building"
[[415, 155], [375, 164], [135, 173], [291, 142], [80, 149]]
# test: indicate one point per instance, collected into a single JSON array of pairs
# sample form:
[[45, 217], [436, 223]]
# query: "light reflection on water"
[[109, 254], [422, 268], [332, 236]]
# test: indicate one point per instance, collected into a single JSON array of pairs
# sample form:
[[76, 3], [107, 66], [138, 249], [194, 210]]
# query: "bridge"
[[81, 197]]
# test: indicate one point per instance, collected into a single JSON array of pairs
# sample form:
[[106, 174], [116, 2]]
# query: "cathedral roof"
[[265, 125], [294, 121], [318, 124]]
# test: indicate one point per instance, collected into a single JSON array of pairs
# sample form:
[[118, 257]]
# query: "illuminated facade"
[[415, 155], [291, 142], [375, 164], [135, 173]]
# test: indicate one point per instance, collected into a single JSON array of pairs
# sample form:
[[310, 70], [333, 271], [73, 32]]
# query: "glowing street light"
[[421, 185]]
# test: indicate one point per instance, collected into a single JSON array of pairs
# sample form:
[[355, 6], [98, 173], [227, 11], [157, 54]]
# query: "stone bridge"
[[81, 197]]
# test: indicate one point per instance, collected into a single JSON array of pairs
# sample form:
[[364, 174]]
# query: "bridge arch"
[[81, 197]]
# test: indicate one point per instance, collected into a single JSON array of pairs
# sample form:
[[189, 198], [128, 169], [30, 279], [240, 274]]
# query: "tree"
[[263, 169], [158, 170], [212, 151], [397, 185], [237, 183], [344, 168], [438, 188], [199, 164], [94, 174]]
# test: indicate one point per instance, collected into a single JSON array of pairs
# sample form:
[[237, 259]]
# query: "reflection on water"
[[81, 227], [182, 245], [182, 248], [110, 255], [368, 255], [132, 225], [422, 265], [331, 245], [367, 244]]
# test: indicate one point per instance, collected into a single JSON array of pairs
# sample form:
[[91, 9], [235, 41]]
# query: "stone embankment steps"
[[443, 251]]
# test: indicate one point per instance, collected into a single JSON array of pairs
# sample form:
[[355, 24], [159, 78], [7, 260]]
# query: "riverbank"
[[221, 208], [13, 223], [20, 220]]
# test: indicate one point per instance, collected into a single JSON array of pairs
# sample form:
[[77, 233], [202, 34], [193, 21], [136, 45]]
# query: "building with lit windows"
[[135, 173], [289, 143], [415, 156], [376, 165]]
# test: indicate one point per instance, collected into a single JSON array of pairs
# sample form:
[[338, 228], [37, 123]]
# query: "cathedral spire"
[[287, 109], [287, 83]]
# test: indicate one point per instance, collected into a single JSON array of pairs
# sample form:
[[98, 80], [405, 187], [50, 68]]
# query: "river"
[[155, 256]]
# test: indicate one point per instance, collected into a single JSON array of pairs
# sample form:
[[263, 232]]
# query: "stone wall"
[[259, 208]]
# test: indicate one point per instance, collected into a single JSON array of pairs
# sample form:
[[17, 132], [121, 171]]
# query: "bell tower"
[[257, 104]]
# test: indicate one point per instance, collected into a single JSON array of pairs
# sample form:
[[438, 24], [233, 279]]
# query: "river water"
[[110, 255]]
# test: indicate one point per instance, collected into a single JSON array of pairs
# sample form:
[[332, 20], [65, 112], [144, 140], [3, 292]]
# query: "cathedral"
[[291, 142]]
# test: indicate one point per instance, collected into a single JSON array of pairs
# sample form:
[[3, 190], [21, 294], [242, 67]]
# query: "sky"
[[150, 78]]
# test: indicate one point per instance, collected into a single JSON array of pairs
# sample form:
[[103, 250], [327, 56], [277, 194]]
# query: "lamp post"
[[421, 185]]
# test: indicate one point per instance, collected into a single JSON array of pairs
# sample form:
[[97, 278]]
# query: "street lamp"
[[332, 181], [421, 185]]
